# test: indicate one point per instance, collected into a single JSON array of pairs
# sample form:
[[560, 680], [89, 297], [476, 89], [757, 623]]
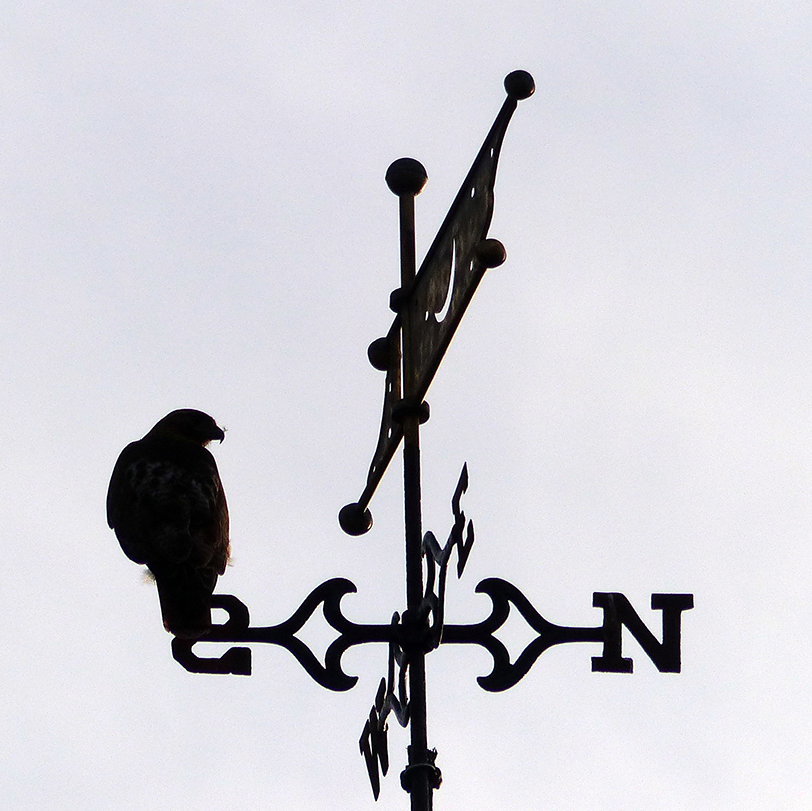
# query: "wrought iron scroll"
[[438, 557], [237, 661], [391, 697], [439, 295], [618, 612], [505, 674]]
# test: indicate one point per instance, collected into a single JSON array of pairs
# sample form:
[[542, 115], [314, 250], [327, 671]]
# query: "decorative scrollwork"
[[617, 613], [236, 629], [391, 697], [504, 673], [437, 558]]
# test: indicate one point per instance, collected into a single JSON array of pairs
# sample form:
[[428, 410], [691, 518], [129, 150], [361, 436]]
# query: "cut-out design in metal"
[[435, 301], [460, 538], [429, 305], [237, 661], [391, 698]]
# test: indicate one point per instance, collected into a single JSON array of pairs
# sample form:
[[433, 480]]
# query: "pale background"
[[194, 215]]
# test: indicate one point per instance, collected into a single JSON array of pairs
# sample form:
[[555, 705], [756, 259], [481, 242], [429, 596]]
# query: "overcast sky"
[[194, 215]]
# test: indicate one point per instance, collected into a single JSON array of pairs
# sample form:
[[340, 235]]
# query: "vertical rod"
[[411, 423], [419, 787], [406, 178]]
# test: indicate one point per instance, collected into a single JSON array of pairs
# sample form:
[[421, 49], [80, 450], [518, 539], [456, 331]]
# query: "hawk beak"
[[221, 435]]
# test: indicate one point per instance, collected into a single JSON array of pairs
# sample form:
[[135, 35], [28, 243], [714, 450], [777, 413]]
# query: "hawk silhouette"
[[168, 509]]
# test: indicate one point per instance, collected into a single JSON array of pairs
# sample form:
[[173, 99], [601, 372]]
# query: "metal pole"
[[406, 178]]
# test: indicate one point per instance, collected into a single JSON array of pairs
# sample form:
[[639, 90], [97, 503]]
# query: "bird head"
[[191, 425]]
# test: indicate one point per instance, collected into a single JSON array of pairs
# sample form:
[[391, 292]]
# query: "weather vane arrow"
[[431, 304]]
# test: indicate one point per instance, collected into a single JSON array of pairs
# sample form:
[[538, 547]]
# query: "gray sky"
[[194, 215]]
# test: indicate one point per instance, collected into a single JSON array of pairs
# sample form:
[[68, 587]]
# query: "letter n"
[[618, 611]]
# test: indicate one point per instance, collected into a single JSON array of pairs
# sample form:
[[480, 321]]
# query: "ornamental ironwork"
[[429, 305]]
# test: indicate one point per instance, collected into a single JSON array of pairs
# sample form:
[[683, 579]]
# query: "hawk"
[[168, 509]]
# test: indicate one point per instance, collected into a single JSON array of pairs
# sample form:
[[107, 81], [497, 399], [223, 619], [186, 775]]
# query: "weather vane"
[[428, 306]]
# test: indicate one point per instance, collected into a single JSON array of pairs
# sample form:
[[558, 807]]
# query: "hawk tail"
[[185, 597]]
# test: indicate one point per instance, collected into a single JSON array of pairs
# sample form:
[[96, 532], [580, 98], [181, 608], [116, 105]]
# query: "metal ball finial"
[[519, 85], [379, 353], [355, 519], [491, 252], [406, 176]]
